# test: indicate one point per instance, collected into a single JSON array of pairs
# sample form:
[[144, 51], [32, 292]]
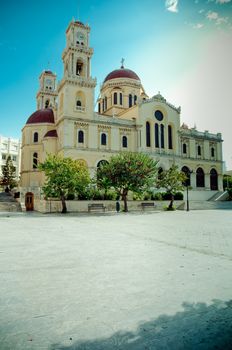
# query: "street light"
[[187, 187]]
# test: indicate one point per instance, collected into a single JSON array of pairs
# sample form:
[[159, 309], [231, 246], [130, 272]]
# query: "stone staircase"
[[208, 205], [8, 203]]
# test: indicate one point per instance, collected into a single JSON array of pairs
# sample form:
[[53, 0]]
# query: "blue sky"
[[182, 48]]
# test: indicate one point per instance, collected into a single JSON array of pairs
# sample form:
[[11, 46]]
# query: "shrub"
[[178, 196], [157, 196]]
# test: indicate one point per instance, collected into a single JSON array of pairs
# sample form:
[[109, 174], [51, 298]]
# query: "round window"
[[159, 115]]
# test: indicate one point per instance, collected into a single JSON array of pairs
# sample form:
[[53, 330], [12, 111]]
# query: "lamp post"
[[187, 188]]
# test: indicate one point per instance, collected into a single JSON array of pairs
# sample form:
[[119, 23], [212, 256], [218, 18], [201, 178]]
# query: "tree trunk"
[[64, 208], [124, 198], [170, 207]]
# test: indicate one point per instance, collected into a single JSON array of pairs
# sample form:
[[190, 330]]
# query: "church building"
[[66, 123]]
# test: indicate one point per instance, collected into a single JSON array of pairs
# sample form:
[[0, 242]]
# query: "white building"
[[10, 147]]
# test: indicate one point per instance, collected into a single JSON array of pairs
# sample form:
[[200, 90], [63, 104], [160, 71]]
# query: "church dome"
[[41, 116], [121, 73], [51, 133]]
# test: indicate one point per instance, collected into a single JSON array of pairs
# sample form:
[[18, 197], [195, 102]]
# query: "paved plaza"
[[121, 281]]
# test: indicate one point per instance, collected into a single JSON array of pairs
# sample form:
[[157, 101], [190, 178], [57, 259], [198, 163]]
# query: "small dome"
[[41, 116], [51, 133], [121, 73], [48, 72]]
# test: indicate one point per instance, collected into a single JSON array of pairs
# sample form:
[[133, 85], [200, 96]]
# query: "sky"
[[182, 48]]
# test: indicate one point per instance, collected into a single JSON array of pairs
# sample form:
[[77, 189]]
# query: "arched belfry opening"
[[213, 180], [79, 68]]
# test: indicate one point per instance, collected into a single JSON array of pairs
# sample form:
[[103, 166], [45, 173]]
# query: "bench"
[[96, 206], [148, 205]]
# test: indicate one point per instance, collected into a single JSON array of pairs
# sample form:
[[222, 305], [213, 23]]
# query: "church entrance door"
[[29, 201]]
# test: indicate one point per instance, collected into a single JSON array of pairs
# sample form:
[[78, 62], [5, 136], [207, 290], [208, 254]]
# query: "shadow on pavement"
[[199, 326]]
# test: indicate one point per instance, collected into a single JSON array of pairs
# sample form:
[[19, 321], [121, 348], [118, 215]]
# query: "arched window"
[[115, 98], [102, 162], [103, 139], [35, 160], [120, 96], [99, 107], [124, 141], [156, 135], [148, 135], [130, 100], [162, 135], [105, 102], [80, 136], [103, 105], [200, 177], [199, 150], [78, 104], [186, 171], [79, 68], [47, 103], [212, 152], [184, 148], [213, 180], [169, 137], [36, 137], [135, 99]]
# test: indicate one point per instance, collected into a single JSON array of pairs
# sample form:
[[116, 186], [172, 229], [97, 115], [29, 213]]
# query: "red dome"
[[41, 116], [122, 73], [51, 133]]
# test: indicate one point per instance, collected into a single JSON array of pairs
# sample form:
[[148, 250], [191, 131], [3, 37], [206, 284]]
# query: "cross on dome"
[[122, 63]]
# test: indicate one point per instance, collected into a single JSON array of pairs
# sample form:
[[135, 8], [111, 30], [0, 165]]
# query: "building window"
[[47, 103], [199, 150], [169, 137], [148, 135], [120, 96], [105, 102], [130, 100], [135, 99], [200, 177], [212, 152], [36, 137], [162, 135], [99, 107], [79, 67], [103, 105], [14, 158], [124, 141], [156, 135], [103, 139], [115, 98], [35, 160], [80, 136], [3, 156], [184, 148], [186, 171], [78, 103]]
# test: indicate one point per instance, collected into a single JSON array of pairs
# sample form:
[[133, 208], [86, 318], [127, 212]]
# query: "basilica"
[[127, 119]]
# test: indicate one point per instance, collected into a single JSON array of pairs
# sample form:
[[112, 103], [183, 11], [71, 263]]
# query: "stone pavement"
[[124, 281]]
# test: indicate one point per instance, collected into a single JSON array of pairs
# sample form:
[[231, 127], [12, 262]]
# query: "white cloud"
[[212, 15], [221, 20], [222, 1], [201, 11], [198, 26], [171, 5]]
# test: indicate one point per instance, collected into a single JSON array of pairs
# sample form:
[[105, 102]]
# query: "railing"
[[80, 109]]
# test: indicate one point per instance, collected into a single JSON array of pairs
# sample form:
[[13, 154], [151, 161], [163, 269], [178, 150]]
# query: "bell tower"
[[47, 94], [76, 89]]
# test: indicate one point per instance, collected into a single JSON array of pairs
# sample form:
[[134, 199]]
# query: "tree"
[[64, 176], [172, 180], [127, 171], [8, 175]]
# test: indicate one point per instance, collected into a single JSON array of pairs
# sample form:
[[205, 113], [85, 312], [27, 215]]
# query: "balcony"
[[80, 109]]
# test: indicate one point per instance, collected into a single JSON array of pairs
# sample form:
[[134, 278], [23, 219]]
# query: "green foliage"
[[172, 181], [8, 174], [127, 171], [64, 177], [157, 196], [227, 182]]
